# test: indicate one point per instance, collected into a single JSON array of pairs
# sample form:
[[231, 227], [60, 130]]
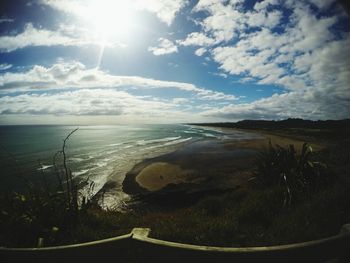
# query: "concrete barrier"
[[138, 247]]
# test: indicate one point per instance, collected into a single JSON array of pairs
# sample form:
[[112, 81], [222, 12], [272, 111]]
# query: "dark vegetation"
[[267, 213], [43, 214], [328, 132], [297, 175], [293, 197], [291, 123]]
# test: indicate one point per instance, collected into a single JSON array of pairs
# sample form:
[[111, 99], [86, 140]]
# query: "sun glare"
[[108, 19]]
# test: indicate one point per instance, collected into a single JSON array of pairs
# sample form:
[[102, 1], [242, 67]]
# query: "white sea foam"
[[177, 141], [76, 159], [115, 144], [101, 164], [210, 135], [44, 167], [191, 132], [110, 152], [81, 172], [166, 139], [127, 146], [169, 143]]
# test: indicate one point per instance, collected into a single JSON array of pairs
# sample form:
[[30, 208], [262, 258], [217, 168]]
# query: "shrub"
[[43, 213], [211, 206], [299, 175]]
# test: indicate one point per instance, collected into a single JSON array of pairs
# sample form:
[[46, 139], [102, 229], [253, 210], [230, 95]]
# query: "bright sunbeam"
[[108, 19], [100, 55]]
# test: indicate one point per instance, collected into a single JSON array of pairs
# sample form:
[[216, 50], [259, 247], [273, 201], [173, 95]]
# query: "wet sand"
[[209, 165], [157, 175]]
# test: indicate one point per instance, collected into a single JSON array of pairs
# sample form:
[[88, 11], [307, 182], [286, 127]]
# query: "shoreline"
[[201, 167], [186, 167]]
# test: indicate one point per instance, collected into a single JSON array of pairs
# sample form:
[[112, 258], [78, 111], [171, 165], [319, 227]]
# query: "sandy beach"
[[202, 166]]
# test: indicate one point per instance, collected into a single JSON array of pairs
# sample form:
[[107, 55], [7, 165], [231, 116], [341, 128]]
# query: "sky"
[[172, 61]]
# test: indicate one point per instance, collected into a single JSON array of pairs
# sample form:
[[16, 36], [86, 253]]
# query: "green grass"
[[256, 218]]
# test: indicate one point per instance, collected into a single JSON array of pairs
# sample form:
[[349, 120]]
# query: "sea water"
[[97, 153]]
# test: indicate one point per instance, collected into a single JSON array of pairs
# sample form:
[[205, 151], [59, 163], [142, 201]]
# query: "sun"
[[108, 19]]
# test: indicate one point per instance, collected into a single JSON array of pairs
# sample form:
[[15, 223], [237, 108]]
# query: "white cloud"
[[322, 3], [165, 47], [32, 36], [197, 39], [91, 95], [75, 75], [215, 95], [165, 10], [223, 21], [200, 51], [5, 66], [308, 32], [260, 6], [310, 104], [81, 102], [223, 75], [304, 57], [259, 54], [92, 105], [80, 35], [181, 100], [227, 21], [321, 91], [238, 60], [69, 6], [263, 19], [6, 20]]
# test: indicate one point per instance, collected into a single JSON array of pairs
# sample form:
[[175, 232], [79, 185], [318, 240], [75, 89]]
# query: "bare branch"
[[67, 173]]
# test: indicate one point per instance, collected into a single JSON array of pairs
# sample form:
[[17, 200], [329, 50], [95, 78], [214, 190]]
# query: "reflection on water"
[[100, 153]]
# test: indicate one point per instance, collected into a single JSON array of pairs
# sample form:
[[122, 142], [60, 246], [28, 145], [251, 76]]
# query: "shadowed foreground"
[[137, 246]]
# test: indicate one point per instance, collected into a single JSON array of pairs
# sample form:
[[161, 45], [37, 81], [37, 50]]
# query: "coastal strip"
[[202, 166]]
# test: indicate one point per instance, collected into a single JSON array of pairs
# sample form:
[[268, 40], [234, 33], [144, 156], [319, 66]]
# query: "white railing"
[[138, 247]]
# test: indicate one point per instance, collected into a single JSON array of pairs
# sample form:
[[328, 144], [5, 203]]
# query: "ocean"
[[100, 153]]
